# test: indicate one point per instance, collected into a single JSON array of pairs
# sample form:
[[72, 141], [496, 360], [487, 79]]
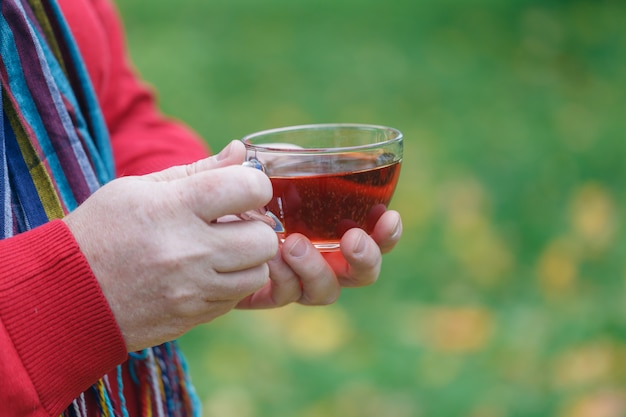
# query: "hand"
[[300, 273], [163, 262]]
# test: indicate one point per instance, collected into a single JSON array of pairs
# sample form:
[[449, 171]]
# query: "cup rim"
[[397, 138]]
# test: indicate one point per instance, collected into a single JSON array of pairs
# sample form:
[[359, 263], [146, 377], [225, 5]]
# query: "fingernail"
[[397, 230], [359, 246], [224, 153], [298, 249]]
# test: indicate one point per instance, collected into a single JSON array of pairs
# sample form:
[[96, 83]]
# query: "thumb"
[[224, 191], [233, 154]]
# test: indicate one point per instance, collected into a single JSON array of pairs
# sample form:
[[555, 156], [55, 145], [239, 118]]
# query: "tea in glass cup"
[[327, 178]]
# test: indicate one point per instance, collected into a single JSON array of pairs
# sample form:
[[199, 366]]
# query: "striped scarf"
[[54, 153]]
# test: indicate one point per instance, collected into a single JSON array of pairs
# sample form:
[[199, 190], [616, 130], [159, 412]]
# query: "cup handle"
[[262, 214]]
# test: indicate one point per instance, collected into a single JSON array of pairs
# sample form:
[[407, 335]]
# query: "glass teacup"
[[327, 178]]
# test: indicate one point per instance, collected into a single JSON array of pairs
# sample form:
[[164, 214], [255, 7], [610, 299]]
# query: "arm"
[[134, 123], [51, 312], [301, 273], [57, 332], [143, 139]]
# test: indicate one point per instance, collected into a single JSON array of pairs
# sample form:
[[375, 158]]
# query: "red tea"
[[324, 206]]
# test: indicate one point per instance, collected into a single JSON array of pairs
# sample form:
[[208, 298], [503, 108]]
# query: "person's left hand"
[[300, 273]]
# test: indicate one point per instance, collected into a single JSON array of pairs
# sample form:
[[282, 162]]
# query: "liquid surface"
[[324, 206]]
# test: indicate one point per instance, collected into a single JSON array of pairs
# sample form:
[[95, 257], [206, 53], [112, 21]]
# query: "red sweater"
[[58, 335]]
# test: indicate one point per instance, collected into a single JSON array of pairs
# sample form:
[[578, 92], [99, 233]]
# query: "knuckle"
[[366, 280], [182, 302], [319, 299], [325, 292], [192, 168], [361, 279]]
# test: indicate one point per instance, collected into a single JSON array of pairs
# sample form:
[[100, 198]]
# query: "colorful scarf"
[[54, 153]]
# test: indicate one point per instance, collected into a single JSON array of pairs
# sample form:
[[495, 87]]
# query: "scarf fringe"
[[161, 375], [51, 161]]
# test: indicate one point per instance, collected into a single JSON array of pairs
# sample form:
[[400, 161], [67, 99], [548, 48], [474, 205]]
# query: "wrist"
[[55, 313]]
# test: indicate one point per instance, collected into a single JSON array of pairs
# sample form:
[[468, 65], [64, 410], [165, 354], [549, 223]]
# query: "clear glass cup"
[[327, 178]]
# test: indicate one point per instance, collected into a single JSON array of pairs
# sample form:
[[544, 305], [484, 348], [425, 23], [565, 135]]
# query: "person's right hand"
[[164, 264]]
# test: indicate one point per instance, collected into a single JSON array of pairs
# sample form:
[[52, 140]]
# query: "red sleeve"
[[57, 332], [143, 139]]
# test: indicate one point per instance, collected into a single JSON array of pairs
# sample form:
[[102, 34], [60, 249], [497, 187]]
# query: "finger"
[[213, 290], [388, 230], [233, 154], [239, 245], [359, 262], [234, 286], [282, 288], [319, 283], [227, 190]]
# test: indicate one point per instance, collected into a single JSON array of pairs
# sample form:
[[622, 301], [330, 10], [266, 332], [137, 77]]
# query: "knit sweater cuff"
[[56, 315]]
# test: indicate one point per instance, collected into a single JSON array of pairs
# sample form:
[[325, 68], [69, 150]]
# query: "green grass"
[[506, 296]]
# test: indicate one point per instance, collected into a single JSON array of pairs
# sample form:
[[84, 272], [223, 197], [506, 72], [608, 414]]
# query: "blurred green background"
[[506, 296]]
